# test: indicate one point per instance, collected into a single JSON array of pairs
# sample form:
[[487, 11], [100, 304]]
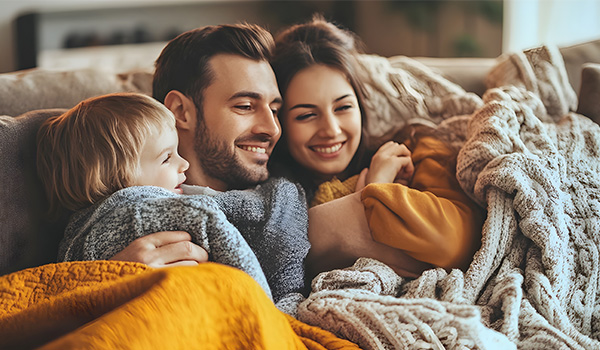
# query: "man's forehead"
[[239, 76]]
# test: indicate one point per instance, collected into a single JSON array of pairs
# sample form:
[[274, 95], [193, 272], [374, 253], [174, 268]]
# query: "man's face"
[[239, 126]]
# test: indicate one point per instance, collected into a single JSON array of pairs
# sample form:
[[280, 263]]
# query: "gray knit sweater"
[[272, 218]]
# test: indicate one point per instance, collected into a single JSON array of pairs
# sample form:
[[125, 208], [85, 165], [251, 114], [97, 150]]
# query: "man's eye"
[[167, 158], [274, 111], [243, 107]]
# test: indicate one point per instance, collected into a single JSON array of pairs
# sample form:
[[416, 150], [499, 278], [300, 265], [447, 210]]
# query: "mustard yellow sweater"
[[432, 219]]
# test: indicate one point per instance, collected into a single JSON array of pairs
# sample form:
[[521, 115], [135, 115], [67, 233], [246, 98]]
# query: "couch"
[[565, 80]]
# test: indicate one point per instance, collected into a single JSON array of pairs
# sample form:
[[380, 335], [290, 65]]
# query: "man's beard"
[[220, 161]]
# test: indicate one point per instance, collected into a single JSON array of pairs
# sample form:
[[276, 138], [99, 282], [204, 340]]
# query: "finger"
[[159, 239], [401, 150], [179, 251], [362, 179], [180, 263]]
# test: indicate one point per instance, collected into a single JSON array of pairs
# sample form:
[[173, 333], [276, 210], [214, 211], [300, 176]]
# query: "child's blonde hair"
[[93, 149]]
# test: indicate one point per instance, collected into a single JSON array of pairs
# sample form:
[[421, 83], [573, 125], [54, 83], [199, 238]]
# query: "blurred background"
[[125, 33]]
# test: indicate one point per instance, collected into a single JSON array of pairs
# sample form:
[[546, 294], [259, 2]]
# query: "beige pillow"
[[589, 93], [33, 89]]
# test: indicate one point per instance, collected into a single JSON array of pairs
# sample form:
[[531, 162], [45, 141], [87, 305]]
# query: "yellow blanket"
[[112, 304]]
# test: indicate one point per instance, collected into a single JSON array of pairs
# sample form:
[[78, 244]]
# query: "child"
[[113, 159]]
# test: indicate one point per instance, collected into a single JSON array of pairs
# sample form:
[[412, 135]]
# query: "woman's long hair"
[[302, 46]]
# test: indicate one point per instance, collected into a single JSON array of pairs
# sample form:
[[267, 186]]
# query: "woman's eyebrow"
[[303, 105], [342, 97], [308, 105]]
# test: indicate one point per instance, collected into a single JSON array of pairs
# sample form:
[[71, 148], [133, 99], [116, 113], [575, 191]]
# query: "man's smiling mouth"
[[253, 149]]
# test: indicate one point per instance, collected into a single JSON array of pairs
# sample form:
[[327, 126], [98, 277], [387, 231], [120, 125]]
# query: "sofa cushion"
[[28, 237], [589, 93], [33, 89], [575, 56]]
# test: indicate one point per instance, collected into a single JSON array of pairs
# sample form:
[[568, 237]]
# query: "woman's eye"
[[344, 108], [304, 116]]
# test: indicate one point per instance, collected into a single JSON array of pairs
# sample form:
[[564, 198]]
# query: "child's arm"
[[164, 249], [391, 163]]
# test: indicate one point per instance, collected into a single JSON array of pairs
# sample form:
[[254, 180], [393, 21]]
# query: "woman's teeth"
[[254, 149], [328, 150]]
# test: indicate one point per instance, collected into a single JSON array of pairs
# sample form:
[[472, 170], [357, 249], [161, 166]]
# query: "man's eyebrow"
[[250, 94], [308, 105]]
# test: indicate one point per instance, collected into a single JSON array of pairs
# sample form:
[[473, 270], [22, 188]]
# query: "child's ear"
[[183, 108]]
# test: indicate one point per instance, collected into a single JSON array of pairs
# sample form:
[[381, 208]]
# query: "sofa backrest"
[[27, 236]]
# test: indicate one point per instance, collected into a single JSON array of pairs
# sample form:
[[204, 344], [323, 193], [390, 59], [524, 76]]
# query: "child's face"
[[322, 120], [160, 164]]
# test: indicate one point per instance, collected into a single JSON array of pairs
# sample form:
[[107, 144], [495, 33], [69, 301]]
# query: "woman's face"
[[321, 120]]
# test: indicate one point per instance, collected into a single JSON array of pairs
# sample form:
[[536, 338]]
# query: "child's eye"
[[167, 158]]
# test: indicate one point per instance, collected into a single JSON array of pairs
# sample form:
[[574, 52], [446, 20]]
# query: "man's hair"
[[183, 64], [93, 149]]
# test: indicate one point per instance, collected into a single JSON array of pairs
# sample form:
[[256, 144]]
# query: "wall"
[[388, 27], [529, 23]]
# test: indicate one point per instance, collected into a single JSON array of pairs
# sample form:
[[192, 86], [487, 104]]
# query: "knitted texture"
[[541, 183], [125, 305], [104, 229], [358, 303], [402, 91], [273, 219], [333, 189], [535, 281]]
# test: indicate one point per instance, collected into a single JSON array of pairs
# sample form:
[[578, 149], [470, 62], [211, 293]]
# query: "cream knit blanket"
[[535, 282]]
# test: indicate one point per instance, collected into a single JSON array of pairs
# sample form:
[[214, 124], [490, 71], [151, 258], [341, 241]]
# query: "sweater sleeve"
[[432, 219]]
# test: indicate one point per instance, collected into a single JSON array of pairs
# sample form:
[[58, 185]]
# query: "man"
[[225, 105], [218, 82]]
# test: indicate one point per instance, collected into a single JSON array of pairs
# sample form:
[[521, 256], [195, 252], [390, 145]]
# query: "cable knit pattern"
[[541, 183], [402, 90], [535, 281]]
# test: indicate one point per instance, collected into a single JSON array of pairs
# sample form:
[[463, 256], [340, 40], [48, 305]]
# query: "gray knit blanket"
[[262, 231], [535, 282]]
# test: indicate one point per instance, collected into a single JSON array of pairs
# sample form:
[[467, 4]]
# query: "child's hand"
[[391, 163]]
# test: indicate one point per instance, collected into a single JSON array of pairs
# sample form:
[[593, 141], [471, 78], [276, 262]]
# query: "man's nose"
[[267, 123]]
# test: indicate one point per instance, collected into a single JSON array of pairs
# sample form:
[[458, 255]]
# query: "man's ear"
[[183, 108]]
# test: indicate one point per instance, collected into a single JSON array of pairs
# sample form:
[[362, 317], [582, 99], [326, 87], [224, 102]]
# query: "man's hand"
[[164, 249], [391, 163]]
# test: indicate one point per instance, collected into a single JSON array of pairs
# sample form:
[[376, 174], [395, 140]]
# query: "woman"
[[401, 213]]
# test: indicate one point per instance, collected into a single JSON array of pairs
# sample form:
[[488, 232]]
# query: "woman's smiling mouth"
[[327, 149]]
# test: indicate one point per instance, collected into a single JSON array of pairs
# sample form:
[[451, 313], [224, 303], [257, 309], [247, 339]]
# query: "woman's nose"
[[330, 125]]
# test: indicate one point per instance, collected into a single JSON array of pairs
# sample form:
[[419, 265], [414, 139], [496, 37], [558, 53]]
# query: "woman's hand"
[[164, 249], [391, 163]]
